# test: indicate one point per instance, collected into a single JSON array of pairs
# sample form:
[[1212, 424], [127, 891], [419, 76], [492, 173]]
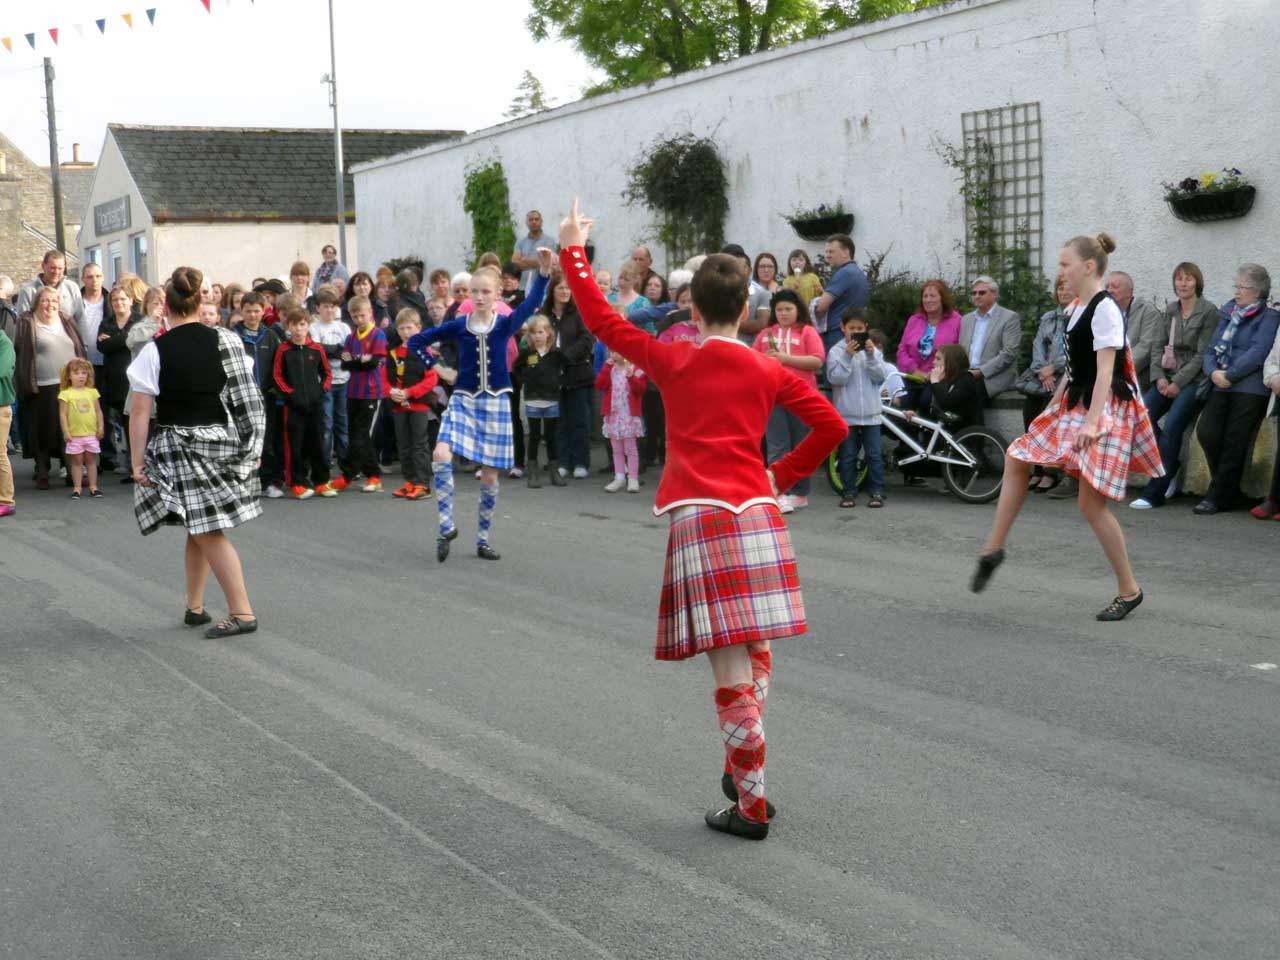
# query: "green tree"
[[529, 98], [638, 41]]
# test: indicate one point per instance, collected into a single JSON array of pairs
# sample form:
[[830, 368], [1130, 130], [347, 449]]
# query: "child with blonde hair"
[[80, 414]]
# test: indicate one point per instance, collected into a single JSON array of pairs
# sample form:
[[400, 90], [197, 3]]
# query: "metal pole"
[[55, 172], [337, 141]]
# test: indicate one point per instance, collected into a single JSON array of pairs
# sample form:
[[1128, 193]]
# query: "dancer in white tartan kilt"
[[199, 468], [477, 423]]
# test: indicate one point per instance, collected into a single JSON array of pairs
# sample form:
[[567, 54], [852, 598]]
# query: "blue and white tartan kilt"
[[479, 428]]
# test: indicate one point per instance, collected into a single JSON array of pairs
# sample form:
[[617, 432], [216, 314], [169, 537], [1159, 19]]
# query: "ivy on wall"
[[487, 199], [682, 180]]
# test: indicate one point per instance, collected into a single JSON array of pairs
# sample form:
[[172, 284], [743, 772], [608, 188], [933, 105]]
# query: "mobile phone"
[[860, 338]]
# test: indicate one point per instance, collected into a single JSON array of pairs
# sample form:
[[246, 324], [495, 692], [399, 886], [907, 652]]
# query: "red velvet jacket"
[[718, 394], [638, 384]]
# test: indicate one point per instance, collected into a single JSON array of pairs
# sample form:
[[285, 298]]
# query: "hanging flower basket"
[[819, 228], [1205, 207]]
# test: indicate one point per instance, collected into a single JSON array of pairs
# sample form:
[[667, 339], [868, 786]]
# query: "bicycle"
[[971, 460]]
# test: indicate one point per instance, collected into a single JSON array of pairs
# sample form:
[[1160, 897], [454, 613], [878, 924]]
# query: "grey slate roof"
[[76, 184], [241, 173]]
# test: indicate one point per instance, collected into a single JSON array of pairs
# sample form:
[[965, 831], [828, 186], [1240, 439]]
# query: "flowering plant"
[[1229, 178], [820, 212]]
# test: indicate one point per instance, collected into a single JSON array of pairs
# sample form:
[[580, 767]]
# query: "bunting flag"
[[31, 39], [102, 25], [206, 6], [151, 15], [128, 19], [8, 43], [79, 29], [53, 32]]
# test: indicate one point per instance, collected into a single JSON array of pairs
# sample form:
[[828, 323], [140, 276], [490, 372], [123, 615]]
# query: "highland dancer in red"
[[730, 584]]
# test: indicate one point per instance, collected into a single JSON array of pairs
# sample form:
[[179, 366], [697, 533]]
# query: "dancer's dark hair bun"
[[182, 292]]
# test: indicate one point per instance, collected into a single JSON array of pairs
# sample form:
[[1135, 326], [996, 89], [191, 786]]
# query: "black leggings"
[[538, 429]]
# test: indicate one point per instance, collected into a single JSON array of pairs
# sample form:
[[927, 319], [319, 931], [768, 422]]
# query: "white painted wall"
[[1132, 92], [112, 180], [238, 252]]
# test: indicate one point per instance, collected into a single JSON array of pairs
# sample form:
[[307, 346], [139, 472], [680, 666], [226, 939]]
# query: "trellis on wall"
[[1004, 188]]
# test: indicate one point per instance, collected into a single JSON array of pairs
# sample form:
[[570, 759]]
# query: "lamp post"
[[331, 78]]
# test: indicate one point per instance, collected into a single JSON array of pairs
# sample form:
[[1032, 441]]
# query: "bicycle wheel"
[[980, 483], [833, 471]]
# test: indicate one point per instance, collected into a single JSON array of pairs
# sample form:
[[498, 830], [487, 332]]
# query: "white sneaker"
[[786, 504], [516, 473], [798, 502], [562, 471], [274, 492], [616, 484], [1142, 503], [633, 486], [579, 473]]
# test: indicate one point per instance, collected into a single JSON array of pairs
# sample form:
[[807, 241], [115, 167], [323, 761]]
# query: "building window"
[[138, 254], [1005, 175], [93, 255], [115, 262]]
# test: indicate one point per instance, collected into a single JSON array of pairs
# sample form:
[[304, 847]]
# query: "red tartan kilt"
[[730, 578], [1127, 445]]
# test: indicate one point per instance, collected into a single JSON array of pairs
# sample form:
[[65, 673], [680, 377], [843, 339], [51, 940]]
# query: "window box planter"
[[819, 228], [1206, 207]]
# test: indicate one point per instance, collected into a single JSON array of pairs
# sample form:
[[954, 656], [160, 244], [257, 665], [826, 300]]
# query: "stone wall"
[[25, 194]]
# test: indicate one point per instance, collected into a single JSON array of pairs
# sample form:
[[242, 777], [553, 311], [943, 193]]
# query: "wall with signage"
[[118, 234]]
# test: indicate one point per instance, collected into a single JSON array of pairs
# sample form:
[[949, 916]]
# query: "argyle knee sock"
[[488, 499], [442, 480], [761, 668], [743, 736]]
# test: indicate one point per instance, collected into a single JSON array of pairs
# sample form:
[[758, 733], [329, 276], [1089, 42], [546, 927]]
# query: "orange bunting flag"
[[8, 43], [128, 19]]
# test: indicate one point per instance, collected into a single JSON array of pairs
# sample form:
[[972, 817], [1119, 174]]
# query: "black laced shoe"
[[1119, 608], [729, 820], [193, 619], [730, 790], [442, 545], [232, 626], [987, 564], [486, 552]]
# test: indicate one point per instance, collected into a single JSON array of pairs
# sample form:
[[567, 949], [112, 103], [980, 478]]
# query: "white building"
[[236, 202], [1129, 93]]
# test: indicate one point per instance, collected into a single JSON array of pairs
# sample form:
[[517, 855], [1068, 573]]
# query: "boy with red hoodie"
[[416, 399], [730, 584], [301, 374]]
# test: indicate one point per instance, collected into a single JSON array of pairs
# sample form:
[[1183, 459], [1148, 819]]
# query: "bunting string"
[[101, 23]]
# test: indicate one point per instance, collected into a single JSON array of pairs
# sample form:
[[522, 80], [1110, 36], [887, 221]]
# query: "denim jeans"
[[862, 438], [335, 423], [1178, 414], [782, 434], [575, 427]]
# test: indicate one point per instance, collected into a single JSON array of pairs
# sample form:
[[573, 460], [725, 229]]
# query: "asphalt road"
[[483, 760]]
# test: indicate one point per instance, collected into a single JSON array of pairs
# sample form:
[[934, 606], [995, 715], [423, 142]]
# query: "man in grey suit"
[[1143, 322], [992, 336]]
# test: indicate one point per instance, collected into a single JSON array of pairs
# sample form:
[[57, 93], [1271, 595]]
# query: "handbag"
[[1168, 359]]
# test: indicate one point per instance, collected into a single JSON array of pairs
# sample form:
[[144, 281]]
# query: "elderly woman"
[[1238, 399], [47, 340], [1177, 374], [1269, 509]]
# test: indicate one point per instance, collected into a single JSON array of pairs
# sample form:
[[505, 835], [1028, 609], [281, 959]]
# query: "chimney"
[[75, 153]]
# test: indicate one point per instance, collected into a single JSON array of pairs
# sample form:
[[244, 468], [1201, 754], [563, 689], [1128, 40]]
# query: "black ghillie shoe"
[[232, 626], [729, 820], [987, 564], [1119, 608], [486, 552], [730, 790], [442, 545], [193, 619]]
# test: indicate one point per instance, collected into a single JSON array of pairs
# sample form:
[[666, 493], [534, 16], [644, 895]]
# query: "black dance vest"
[[1082, 360], [191, 377]]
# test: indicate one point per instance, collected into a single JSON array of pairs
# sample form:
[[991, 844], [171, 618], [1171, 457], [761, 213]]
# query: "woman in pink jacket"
[[935, 323]]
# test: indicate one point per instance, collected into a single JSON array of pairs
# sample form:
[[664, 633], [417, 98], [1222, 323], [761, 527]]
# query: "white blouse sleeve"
[[144, 372], [1108, 326]]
